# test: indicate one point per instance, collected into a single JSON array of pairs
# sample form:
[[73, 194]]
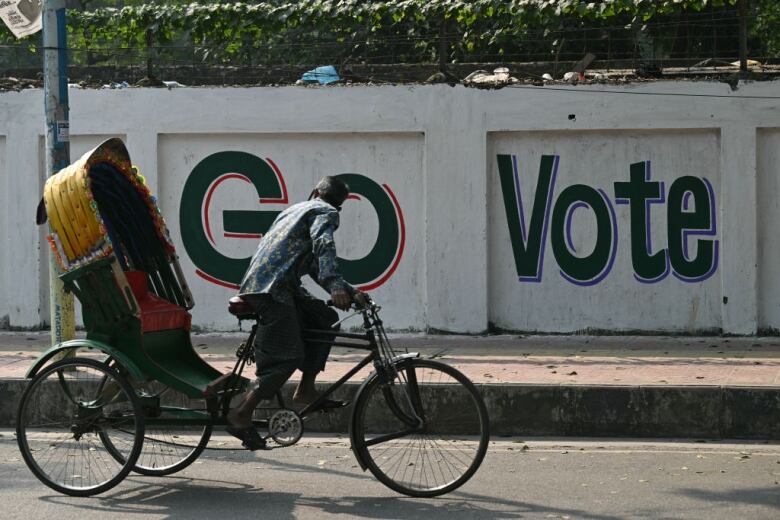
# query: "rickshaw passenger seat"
[[156, 313]]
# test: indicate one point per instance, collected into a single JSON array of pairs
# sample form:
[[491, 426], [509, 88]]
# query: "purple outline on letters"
[[713, 231], [648, 238], [613, 249], [569, 214]]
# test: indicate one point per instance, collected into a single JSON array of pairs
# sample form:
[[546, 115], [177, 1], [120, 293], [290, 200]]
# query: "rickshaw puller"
[[299, 242]]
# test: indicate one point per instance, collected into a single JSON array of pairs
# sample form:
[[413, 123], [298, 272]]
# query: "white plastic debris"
[[547, 76], [172, 84], [750, 63], [571, 77], [501, 73], [499, 78], [476, 74], [122, 85]]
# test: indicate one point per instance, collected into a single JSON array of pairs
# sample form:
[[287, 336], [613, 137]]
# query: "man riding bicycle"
[[299, 242]]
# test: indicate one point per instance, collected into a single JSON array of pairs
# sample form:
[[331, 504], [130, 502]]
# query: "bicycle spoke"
[[57, 431], [425, 460], [165, 450], [389, 437]]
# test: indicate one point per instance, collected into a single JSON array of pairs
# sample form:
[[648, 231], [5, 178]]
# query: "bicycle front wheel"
[[423, 434]]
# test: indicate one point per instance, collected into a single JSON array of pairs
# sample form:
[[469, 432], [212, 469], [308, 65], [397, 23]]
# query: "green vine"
[[405, 31]]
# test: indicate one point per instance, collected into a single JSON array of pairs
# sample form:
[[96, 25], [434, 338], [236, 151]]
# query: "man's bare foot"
[[306, 392], [303, 397]]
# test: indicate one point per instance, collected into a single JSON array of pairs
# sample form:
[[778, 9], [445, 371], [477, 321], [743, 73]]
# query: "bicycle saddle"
[[241, 309]]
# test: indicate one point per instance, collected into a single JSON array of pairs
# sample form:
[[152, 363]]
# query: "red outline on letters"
[[256, 236], [212, 188], [216, 281], [278, 173], [284, 200], [399, 251]]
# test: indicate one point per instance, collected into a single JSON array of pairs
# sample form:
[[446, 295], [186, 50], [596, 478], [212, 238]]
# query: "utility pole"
[[55, 90]]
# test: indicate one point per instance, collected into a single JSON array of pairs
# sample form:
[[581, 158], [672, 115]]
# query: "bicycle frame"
[[233, 382], [373, 355]]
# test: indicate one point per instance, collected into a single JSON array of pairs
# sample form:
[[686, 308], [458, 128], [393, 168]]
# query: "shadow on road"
[[186, 498], [769, 496]]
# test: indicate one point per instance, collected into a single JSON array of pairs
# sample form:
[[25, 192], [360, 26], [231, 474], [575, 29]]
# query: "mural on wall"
[[690, 215], [366, 273]]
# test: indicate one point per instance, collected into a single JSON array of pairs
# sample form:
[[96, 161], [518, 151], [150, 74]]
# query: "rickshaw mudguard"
[[76, 344], [397, 360]]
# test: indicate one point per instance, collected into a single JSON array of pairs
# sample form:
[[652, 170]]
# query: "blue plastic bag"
[[323, 75]]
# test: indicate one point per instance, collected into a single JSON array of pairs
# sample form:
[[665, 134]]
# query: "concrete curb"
[[634, 411], [569, 410]]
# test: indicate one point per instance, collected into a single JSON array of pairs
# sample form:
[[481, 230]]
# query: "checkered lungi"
[[280, 347]]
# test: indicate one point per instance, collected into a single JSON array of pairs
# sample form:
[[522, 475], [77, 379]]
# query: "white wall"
[[4, 218], [436, 148], [769, 227]]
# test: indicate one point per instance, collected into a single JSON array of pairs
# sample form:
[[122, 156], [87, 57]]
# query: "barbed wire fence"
[[696, 42]]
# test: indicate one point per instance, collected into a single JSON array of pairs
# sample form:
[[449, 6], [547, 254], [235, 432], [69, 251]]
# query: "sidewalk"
[[616, 385], [549, 360]]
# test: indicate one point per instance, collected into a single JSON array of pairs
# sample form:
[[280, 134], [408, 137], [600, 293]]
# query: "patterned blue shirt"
[[300, 242]]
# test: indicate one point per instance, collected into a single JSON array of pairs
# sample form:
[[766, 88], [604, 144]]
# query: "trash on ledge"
[[172, 84], [322, 75], [114, 85], [483, 78]]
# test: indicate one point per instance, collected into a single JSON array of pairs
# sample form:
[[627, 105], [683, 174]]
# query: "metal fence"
[[685, 41]]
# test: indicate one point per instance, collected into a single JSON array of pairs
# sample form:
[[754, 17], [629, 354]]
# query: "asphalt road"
[[528, 478]]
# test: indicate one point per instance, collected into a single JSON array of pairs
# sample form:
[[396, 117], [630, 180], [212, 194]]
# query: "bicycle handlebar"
[[367, 301]]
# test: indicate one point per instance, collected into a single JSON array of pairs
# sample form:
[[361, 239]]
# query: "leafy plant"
[[307, 32]]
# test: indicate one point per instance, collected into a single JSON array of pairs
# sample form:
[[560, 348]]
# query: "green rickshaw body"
[[114, 253]]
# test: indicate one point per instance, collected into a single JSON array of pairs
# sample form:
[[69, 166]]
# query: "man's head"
[[332, 190]]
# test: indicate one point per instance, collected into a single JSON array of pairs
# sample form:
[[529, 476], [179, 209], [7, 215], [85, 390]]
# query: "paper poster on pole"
[[23, 17]]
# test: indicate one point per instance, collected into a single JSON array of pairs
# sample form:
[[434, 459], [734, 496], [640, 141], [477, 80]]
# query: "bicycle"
[[396, 433]]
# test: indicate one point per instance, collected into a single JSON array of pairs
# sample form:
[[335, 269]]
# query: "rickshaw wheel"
[[61, 414], [166, 449]]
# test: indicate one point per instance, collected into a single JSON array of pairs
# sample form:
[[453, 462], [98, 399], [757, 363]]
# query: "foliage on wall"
[[406, 31]]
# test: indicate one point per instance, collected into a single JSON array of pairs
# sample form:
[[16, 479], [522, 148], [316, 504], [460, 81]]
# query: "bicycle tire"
[[380, 407], [153, 442], [161, 452], [68, 417]]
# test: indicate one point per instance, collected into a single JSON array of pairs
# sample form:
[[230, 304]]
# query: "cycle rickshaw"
[[97, 408]]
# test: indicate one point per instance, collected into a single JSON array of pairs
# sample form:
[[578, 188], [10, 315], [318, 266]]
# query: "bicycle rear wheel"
[[63, 411], [423, 434], [167, 449]]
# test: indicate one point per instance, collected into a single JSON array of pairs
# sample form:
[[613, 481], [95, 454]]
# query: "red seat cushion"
[[138, 283], [156, 313]]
